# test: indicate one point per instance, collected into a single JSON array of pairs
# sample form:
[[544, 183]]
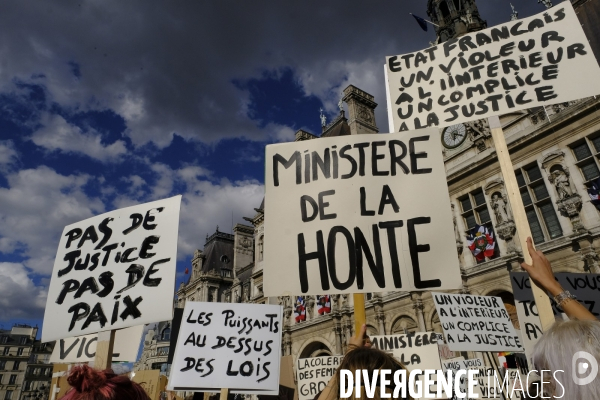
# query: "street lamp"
[[547, 3]]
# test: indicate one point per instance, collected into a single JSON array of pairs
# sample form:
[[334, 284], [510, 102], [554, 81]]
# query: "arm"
[[541, 273]]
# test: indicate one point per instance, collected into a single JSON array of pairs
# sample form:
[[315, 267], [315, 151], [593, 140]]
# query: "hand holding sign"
[[541, 271]]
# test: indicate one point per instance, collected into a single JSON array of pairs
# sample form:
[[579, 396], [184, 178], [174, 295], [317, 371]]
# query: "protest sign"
[[114, 270], [226, 345], [584, 286], [175, 325], [544, 59], [475, 323], [516, 388], [459, 363], [152, 382], [415, 350], [356, 214], [287, 382], [83, 348], [313, 374]]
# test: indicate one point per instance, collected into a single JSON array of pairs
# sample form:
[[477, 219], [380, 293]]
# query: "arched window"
[[166, 334], [457, 5], [404, 325], [444, 9]]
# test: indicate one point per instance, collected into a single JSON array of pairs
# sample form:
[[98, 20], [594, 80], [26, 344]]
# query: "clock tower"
[[454, 17]]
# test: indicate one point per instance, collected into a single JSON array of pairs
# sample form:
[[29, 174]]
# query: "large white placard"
[[475, 323], [114, 270], [544, 59], [358, 213], [228, 345], [313, 374], [83, 348]]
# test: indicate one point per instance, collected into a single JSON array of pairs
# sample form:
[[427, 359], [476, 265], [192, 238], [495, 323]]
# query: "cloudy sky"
[[105, 104]]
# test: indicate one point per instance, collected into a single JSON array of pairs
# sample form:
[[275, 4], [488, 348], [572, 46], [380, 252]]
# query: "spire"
[[454, 18], [547, 3], [515, 15]]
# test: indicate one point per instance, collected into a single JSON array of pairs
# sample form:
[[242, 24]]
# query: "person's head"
[[370, 359], [90, 384], [556, 351]]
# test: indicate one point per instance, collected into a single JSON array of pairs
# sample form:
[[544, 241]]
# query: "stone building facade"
[[156, 349], [25, 369], [555, 153]]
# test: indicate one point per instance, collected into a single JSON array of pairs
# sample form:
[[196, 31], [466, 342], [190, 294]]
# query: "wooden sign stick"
[[542, 301], [224, 394], [360, 315], [104, 350]]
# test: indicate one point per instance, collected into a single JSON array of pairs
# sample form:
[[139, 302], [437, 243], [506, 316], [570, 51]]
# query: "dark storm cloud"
[[168, 66]]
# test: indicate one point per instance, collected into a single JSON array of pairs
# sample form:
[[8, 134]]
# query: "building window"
[[475, 210], [23, 340], [20, 351], [27, 385], [16, 365], [163, 351], [587, 163], [166, 334], [0, 379], [8, 395], [3, 339], [2, 364], [6, 350], [12, 380], [541, 215]]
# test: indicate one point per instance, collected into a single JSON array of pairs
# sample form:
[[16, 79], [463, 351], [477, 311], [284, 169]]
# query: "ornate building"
[[555, 153], [454, 18], [25, 369], [156, 349]]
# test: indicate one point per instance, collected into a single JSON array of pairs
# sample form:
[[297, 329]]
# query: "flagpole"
[[426, 20]]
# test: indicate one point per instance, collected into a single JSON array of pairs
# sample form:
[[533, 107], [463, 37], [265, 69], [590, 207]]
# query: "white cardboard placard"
[[114, 271], [475, 323], [530, 62], [228, 345], [415, 350], [377, 218], [459, 363], [83, 348], [313, 374]]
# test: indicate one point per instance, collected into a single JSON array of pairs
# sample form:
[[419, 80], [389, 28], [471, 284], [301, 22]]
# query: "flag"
[[300, 309], [323, 304], [187, 271], [481, 242], [594, 192], [422, 23]]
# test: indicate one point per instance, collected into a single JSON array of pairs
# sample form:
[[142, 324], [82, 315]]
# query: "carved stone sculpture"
[[500, 209], [562, 184]]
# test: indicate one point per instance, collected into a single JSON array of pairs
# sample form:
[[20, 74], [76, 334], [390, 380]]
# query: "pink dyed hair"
[[89, 384]]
